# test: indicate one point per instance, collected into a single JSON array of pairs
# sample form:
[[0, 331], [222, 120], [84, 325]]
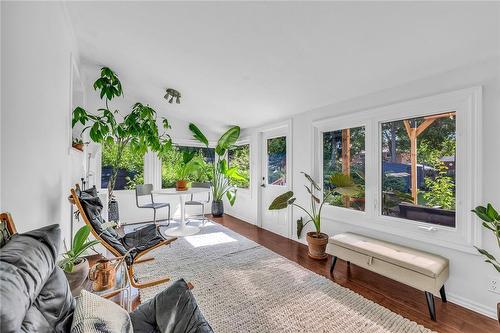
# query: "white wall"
[[469, 275], [36, 161]]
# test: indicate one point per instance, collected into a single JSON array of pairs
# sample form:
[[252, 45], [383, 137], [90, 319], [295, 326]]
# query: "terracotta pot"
[[181, 185], [78, 276], [78, 146], [317, 245]]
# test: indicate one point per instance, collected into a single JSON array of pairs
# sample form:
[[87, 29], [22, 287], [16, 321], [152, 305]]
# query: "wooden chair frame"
[[9, 221], [137, 260]]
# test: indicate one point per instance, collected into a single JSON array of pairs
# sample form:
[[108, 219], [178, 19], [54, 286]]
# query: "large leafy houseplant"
[[190, 165], [223, 176], [138, 129], [491, 221], [343, 184]]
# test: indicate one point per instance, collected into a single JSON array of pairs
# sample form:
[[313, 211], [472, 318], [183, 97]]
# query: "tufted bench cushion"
[[421, 270]]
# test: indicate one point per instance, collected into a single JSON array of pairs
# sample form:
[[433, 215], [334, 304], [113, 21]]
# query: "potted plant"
[[190, 165], [77, 143], [137, 129], [76, 267], [316, 240], [223, 177], [491, 221]]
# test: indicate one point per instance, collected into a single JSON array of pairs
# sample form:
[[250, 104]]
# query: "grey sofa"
[[35, 295]]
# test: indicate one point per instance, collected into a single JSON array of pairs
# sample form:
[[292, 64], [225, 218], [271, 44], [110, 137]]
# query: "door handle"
[[262, 185]]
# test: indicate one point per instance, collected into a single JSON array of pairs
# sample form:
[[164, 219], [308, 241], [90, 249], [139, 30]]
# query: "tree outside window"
[[418, 168], [239, 157]]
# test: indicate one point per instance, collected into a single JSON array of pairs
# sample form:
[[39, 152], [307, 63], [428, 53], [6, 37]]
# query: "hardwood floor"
[[397, 297], [404, 300]]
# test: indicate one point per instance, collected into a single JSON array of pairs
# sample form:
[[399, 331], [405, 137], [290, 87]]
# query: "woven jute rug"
[[241, 286]]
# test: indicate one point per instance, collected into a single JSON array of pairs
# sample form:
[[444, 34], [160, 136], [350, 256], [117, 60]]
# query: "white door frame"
[[289, 168]]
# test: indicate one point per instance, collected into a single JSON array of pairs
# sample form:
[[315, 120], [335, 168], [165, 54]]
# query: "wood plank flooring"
[[404, 300], [397, 297]]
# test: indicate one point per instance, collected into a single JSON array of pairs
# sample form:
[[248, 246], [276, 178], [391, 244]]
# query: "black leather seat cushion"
[[174, 310], [130, 244], [34, 292]]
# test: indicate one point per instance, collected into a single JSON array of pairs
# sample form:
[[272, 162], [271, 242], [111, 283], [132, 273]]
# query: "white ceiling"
[[252, 63]]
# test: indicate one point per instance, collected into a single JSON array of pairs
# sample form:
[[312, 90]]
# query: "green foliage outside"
[[132, 162], [171, 163], [441, 189], [240, 158]]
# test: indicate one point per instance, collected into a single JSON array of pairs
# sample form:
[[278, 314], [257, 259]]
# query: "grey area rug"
[[241, 286]]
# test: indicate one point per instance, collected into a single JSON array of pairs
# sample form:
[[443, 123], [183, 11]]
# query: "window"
[[423, 165], [239, 157], [129, 174], [276, 161], [418, 168], [172, 161], [344, 152]]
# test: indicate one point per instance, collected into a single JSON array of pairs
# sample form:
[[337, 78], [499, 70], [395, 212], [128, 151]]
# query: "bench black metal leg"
[[430, 304], [443, 294], [334, 261]]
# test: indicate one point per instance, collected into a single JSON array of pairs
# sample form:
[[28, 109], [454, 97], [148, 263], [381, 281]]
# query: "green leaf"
[[231, 196], [492, 213], [229, 138], [281, 201], [80, 237], [220, 151], [344, 184], [481, 212], [300, 226], [486, 254], [198, 135], [313, 183]]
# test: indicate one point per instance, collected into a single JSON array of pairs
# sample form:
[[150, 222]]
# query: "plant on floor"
[[190, 165], [138, 129], [491, 221], [223, 177], [343, 184], [76, 268]]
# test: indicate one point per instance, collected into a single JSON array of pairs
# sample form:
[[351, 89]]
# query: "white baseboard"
[[241, 217], [471, 305]]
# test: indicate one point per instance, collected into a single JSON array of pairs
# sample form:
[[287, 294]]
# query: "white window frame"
[[467, 103]]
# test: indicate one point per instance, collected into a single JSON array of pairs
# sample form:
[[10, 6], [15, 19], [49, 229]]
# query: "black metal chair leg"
[[443, 294], [430, 304], [154, 216], [334, 261]]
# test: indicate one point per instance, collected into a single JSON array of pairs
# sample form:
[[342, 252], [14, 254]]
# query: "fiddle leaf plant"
[[137, 129], [491, 221], [80, 245], [223, 177], [343, 185]]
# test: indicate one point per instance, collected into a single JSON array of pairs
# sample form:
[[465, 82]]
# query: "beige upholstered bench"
[[421, 270]]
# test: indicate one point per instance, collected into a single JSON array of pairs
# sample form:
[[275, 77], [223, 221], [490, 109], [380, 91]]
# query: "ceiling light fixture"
[[171, 94]]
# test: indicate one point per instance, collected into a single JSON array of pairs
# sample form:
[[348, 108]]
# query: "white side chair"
[[193, 202], [147, 190]]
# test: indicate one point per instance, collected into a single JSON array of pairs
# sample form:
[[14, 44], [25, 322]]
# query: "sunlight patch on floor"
[[214, 238]]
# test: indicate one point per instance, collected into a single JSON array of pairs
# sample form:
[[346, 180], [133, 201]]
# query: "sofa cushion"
[[174, 310], [32, 284], [419, 261], [94, 314]]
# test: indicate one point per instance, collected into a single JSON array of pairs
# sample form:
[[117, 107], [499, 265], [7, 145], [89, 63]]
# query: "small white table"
[[182, 229]]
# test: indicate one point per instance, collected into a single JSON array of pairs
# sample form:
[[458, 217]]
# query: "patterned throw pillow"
[[94, 314]]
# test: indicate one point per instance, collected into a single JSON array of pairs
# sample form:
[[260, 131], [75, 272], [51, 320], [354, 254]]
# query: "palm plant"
[[139, 128], [191, 165], [343, 184], [222, 175]]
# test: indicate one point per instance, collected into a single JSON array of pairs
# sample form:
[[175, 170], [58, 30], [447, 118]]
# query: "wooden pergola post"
[[413, 133], [346, 159]]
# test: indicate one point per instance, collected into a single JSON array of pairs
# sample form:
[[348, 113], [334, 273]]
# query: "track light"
[[171, 94]]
